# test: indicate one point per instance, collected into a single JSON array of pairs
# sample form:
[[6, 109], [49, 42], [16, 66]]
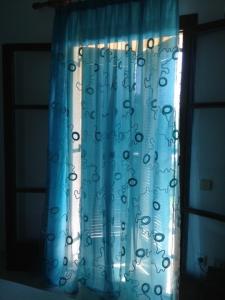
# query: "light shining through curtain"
[[113, 209]]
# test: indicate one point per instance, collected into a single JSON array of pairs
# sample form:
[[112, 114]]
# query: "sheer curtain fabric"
[[113, 206]]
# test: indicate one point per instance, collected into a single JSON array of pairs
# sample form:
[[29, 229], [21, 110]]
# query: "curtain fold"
[[113, 197]]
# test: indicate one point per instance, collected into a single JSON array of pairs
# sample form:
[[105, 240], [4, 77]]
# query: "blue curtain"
[[113, 205]]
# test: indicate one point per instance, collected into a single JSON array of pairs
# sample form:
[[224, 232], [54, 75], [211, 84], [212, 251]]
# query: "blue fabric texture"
[[113, 199]]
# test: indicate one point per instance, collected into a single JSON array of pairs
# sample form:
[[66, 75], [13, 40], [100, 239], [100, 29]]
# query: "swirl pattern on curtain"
[[113, 205]]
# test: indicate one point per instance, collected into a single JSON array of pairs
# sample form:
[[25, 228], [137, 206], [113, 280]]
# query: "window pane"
[[210, 67], [31, 148], [207, 179], [32, 77], [30, 209], [205, 239]]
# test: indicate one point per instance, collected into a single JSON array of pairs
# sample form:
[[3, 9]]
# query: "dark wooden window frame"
[[188, 26], [13, 248], [191, 29]]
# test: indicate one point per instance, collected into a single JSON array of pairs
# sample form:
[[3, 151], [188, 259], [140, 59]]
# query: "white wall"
[[19, 23]]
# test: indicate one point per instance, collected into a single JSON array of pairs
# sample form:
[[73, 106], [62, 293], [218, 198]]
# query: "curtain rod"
[[77, 4]]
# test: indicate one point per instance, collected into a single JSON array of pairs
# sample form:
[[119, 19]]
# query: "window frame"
[[26, 252], [188, 25], [191, 29]]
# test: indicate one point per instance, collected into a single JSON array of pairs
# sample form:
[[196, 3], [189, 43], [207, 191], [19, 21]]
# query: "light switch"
[[206, 184]]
